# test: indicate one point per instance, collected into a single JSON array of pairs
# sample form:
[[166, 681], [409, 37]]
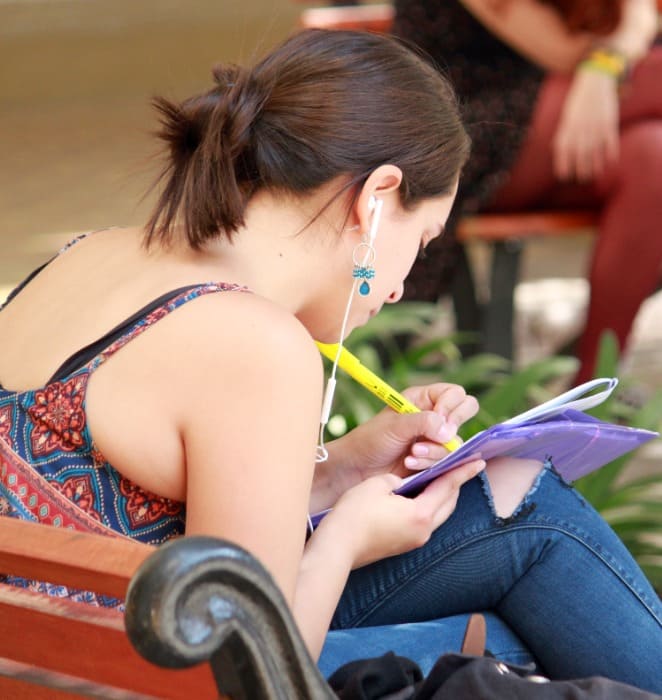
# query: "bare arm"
[[249, 427], [538, 33], [368, 523]]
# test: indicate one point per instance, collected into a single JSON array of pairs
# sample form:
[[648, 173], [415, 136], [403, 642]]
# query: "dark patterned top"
[[497, 89], [52, 472]]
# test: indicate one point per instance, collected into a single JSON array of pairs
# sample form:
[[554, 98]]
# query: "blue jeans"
[[559, 586]]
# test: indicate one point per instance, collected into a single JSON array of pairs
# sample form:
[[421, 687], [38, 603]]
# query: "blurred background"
[[76, 77]]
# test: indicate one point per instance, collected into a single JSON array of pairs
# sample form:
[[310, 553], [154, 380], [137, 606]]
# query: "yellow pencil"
[[360, 373]]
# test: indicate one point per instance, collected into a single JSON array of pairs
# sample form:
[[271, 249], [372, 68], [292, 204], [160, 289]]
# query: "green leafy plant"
[[630, 503]]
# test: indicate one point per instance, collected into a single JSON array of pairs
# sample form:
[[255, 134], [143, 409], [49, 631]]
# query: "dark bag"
[[470, 675]]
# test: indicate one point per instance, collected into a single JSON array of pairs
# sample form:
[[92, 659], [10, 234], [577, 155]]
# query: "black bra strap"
[[84, 355]]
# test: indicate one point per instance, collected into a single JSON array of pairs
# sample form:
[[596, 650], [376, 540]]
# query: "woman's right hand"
[[377, 524], [587, 138]]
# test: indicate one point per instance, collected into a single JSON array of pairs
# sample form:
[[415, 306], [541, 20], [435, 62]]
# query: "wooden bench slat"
[[373, 18], [89, 644], [70, 558], [518, 225], [18, 681], [18, 688]]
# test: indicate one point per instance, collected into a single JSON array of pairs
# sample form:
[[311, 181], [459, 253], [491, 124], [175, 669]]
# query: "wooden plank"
[[87, 643], [373, 18], [20, 681], [70, 558], [17, 688], [517, 225]]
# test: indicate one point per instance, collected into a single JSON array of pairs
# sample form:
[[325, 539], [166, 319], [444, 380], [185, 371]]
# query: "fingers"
[[439, 498], [447, 486], [577, 156], [384, 524], [424, 454], [562, 160], [450, 407], [448, 400], [425, 435], [457, 406], [588, 159]]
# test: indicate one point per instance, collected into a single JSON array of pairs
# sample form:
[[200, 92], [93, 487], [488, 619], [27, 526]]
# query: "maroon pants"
[[627, 259]]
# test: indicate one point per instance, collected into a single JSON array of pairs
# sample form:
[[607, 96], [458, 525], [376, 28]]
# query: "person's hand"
[[398, 443], [376, 523], [587, 137]]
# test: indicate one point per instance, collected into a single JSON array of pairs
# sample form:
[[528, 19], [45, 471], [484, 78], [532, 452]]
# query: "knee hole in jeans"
[[509, 482]]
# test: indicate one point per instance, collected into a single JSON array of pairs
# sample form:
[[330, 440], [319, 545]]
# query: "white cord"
[[322, 453]]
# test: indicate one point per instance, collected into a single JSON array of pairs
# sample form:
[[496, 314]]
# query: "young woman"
[[285, 188], [563, 102]]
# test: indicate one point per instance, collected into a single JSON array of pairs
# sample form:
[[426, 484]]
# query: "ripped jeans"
[[557, 585]]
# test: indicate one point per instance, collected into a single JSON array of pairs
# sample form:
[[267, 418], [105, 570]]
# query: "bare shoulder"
[[247, 412], [239, 337], [240, 321]]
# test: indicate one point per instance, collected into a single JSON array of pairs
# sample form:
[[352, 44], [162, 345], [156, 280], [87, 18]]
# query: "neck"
[[281, 255]]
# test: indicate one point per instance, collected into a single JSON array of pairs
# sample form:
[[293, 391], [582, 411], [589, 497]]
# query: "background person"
[[563, 102]]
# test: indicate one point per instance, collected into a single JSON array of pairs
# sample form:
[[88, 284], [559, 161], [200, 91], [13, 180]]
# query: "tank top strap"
[[157, 314], [77, 239]]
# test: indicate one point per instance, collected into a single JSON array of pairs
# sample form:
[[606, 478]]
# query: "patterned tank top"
[[50, 469]]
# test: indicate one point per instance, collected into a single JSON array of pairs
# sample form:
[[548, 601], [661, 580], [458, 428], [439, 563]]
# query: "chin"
[[332, 336], [374, 312]]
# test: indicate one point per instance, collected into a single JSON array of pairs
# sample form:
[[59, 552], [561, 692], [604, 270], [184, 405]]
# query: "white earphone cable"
[[322, 453]]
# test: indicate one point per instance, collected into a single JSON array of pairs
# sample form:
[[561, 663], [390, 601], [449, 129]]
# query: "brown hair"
[[323, 104]]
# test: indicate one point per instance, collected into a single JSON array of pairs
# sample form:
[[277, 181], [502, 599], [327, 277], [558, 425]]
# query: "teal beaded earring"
[[364, 270]]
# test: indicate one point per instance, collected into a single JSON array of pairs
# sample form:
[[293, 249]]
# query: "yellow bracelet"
[[606, 61]]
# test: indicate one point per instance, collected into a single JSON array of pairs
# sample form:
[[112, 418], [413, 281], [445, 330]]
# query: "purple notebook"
[[576, 443]]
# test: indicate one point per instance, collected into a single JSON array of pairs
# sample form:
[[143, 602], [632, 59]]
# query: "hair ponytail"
[[321, 105], [210, 172]]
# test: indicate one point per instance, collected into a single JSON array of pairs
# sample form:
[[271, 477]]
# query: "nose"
[[395, 296]]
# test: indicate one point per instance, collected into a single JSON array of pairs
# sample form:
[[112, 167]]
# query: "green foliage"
[[630, 503]]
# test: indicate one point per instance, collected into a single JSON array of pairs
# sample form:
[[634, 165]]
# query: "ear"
[[382, 183]]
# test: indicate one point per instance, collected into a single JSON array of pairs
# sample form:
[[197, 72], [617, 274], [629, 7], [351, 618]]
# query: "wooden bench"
[[504, 233], [191, 601]]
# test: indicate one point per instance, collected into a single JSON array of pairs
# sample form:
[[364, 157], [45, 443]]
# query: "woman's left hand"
[[400, 442]]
